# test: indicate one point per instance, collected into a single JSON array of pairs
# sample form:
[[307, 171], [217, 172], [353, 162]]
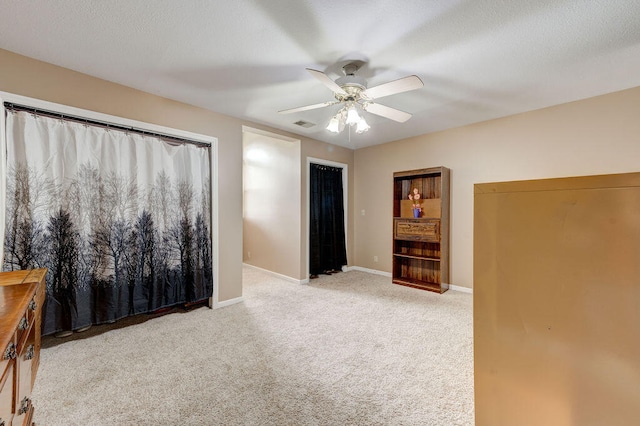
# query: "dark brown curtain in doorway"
[[327, 247]]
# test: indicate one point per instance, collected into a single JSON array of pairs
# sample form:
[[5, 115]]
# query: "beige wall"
[[598, 135], [271, 199], [27, 77], [593, 136]]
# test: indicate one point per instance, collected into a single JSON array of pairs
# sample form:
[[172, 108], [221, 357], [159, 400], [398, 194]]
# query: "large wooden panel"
[[557, 301]]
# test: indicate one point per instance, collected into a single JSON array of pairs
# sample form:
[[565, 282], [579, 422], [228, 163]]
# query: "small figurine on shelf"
[[415, 197]]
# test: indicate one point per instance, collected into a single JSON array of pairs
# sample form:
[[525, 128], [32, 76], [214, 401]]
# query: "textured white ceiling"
[[479, 59]]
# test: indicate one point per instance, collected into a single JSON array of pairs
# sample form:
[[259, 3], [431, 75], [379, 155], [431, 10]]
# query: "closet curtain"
[[327, 247], [121, 219]]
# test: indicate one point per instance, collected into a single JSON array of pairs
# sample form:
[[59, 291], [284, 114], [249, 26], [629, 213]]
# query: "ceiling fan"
[[352, 91]]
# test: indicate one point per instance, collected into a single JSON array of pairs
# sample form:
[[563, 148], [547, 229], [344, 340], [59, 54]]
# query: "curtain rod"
[[104, 124]]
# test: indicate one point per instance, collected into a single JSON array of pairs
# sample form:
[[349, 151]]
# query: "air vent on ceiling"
[[303, 123]]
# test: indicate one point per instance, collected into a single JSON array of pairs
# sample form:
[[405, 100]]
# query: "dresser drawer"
[[9, 352], [24, 361], [6, 394]]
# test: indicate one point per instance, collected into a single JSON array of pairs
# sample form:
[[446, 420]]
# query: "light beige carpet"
[[347, 349]]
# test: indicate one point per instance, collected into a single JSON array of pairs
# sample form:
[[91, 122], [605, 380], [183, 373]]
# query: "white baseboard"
[[371, 271], [345, 269], [216, 305], [460, 289], [275, 274]]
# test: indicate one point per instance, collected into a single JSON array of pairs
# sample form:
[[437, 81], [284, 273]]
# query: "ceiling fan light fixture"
[[339, 121], [362, 126], [336, 124], [352, 115]]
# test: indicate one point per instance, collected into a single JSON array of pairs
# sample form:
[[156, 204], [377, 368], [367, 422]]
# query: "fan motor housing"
[[351, 84]]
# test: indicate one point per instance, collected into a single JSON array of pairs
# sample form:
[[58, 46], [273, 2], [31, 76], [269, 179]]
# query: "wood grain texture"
[[21, 299], [421, 245]]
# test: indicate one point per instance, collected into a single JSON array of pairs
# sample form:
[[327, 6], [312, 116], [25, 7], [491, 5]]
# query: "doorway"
[[327, 218], [272, 204]]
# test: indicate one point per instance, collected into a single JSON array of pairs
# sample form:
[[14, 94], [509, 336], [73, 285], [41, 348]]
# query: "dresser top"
[[14, 300], [22, 276]]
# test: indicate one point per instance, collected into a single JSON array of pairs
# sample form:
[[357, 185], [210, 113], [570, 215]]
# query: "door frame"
[[345, 196]]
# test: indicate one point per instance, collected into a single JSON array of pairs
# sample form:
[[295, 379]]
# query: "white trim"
[[215, 232], [370, 271], [92, 115], [229, 302], [345, 196], [277, 275], [460, 289]]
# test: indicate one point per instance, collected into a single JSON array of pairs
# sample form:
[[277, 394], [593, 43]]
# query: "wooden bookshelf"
[[421, 244]]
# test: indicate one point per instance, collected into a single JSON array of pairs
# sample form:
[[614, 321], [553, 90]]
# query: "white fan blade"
[[324, 79], [308, 107], [388, 112], [404, 84]]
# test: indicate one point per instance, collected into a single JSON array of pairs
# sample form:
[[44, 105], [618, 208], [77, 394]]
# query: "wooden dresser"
[[21, 299]]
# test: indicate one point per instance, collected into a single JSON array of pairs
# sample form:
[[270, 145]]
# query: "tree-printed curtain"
[[122, 220]]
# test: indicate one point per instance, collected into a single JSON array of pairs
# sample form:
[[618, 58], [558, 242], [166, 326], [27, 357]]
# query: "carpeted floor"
[[347, 349]]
